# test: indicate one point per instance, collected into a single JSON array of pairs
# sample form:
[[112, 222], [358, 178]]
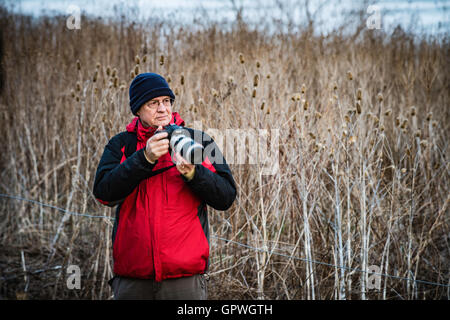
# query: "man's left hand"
[[184, 167]]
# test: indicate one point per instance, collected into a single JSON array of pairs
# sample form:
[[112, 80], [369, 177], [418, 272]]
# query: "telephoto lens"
[[181, 142]]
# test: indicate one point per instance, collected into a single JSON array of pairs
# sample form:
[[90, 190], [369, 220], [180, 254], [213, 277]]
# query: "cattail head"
[[335, 86], [72, 93], [144, 59], [78, 65], [312, 135], [417, 133], [182, 79], [136, 69], [161, 60], [94, 79], [358, 106], [241, 58], [137, 60], [114, 72], [263, 104], [254, 93], [258, 64], [359, 94], [78, 86], [214, 93], [303, 88], [256, 80], [318, 115], [388, 112], [268, 76], [429, 116], [108, 70], [316, 147], [169, 79], [380, 96], [404, 124], [349, 75], [305, 104], [116, 82], [132, 75], [376, 120], [413, 111]]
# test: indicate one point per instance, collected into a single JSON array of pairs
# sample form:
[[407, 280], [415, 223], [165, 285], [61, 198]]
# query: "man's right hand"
[[157, 146]]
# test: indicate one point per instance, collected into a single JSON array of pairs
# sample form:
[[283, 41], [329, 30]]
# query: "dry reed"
[[363, 179]]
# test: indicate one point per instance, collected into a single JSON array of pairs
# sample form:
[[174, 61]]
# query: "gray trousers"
[[185, 288]]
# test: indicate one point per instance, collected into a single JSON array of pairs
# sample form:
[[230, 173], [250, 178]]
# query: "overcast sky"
[[429, 16]]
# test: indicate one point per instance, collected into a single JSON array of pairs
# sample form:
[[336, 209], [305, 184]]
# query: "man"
[[161, 231]]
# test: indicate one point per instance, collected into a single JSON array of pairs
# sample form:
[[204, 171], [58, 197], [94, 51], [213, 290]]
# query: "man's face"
[[156, 112]]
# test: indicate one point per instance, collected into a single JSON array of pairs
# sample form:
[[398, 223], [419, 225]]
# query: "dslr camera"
[[181, 142]]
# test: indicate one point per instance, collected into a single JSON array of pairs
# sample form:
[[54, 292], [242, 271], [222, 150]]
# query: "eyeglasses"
[[153, 104]]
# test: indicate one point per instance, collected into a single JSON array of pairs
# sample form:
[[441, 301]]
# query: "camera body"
[[181, 142]]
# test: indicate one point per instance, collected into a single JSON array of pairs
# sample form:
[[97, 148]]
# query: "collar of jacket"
[[144, 133]]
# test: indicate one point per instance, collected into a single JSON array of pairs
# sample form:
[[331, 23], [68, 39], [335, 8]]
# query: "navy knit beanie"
[[145, 87]]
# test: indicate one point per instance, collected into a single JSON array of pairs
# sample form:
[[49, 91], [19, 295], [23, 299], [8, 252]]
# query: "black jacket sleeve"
[[114, 181], [217, 189]]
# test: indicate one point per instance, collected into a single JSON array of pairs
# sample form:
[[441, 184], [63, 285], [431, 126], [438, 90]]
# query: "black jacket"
[[124, 173]]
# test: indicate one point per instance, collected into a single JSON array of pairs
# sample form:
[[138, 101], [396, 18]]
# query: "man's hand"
[[184, 167], [157, 146]]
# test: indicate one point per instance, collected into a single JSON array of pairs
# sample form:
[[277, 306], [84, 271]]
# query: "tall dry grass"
[[363, 157]]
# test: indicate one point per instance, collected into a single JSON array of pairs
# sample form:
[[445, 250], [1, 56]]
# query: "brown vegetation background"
[[363, 156]]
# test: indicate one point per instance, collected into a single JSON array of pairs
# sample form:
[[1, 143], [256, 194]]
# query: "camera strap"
[[155, 172]]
